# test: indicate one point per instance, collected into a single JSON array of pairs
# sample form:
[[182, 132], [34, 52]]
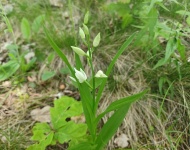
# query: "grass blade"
[[58, 51], [87, 102], [121, 102], [78, 62], [111, 126], [121, 50]]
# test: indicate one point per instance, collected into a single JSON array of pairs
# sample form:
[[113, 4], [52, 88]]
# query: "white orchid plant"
[[91, 89]]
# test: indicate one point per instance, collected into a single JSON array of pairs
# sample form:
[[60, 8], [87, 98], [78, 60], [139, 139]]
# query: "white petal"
[[80, 75], [100, 74]]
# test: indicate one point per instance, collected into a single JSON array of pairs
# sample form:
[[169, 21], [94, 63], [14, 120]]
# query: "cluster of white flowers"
[[80, 74], [82, 77]]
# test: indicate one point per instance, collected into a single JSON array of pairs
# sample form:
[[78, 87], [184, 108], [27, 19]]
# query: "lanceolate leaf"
[[8, 69], [121, 102], [121, 106], [181, 50], [58, 51], [170, 48], [121, 50], [110, 127], [153, 15], [87, 102]]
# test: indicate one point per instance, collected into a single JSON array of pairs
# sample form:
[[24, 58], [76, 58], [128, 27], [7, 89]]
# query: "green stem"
[[72, 20], [88, 84], [93, 88]]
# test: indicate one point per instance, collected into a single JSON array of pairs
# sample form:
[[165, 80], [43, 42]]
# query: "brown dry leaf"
[[122, 141], [41, 115]]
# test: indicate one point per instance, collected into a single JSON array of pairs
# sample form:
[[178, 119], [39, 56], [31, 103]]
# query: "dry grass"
[[154, 122]]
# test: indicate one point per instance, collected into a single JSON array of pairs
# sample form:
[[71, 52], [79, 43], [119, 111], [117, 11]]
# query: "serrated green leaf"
[[47, 75], [63, 108], [43, 134], [70, 131], [8, 69], [25, 28], [39, 131], [43, 143]]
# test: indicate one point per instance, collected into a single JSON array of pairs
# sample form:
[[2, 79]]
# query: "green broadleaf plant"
[[16, 60], [91, 89], [60, 129]]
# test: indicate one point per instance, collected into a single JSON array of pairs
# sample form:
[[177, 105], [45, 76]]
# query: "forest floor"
[[160, 120]]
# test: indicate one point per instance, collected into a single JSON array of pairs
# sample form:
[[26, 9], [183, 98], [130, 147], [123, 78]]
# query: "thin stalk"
[[72, 21], [92, 67], [93, 85]]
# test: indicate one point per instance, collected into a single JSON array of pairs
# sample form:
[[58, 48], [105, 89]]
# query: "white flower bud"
[[80, 75], [81, 33], [86, 17], [96, 40], [78, 51], [100, 74], [85, 28]]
